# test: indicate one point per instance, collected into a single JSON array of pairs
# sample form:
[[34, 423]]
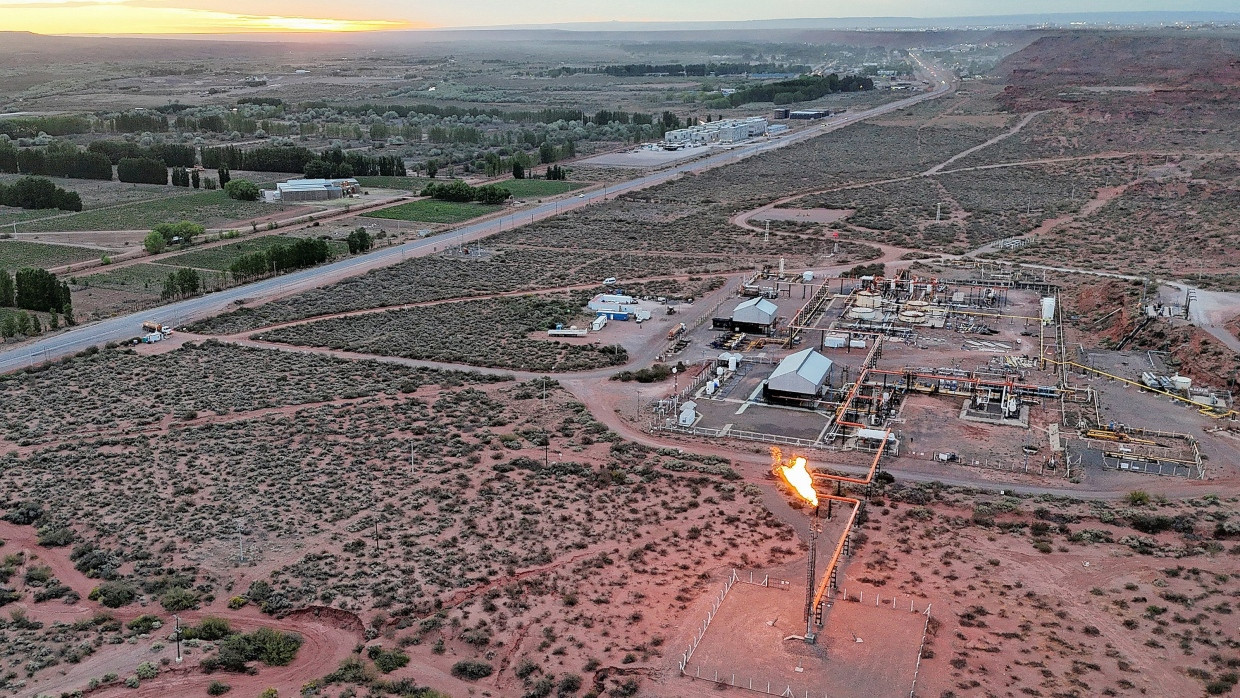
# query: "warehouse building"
[[756, 316], [296, 190], [798, 379]]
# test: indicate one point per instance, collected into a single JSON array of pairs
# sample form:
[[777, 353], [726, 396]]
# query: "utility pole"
[[178, 636]]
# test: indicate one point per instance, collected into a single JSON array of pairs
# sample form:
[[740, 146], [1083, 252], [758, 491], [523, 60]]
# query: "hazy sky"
[[214, 16]]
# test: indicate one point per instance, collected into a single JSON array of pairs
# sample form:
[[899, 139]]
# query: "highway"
[[121, 328]]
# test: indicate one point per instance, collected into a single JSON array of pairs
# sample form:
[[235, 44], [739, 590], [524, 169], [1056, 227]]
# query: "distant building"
[[724, 131], [809, 114], [296, 190], [798, 378]]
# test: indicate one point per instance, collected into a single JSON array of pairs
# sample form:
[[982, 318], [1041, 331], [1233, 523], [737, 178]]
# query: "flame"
[[797, 475]]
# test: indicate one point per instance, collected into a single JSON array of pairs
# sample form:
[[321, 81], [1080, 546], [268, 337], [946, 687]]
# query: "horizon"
[[140, 18]]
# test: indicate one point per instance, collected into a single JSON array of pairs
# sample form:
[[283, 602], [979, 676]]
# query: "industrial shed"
[[315, 189], [798, 378], [756, 315]]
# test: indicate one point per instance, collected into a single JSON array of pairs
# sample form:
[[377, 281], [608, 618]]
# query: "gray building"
[[799, 377]]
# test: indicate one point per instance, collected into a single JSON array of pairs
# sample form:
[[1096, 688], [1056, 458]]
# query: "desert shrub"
[[209, 629], [218, 688], [1138, 497], [350, 671], [144, 624], [388, 661], [113, 594], [55, 536], [540, 688], [25, 513], [525, 668], [271, 647], [178, 599], [147, 670], [472, 669], [569, 685]]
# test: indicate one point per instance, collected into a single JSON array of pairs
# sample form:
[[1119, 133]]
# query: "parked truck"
[[151, 327]]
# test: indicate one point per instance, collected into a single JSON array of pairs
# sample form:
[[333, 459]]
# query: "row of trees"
[[686, 69], [165, 234], [172, 154], [38, 192], [142, 171], [31, 126], [264, 159], [58, 159], [337, 163], [802, 89], [27, 325], [458, 190], [305, 252], [182, 283], [35, 289], [184, 178]]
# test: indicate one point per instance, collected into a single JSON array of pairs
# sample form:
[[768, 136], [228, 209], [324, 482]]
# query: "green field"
[[533, 188], [15, 254], [222, 257], [9, 215], [210, 208], [136, 278], [406, 183], [432, 211]]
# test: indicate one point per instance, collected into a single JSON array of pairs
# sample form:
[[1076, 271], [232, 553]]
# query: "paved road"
[[183, 312]]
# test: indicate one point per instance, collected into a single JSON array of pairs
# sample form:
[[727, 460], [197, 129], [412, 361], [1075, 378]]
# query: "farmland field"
[[137, 278], [432, 211], [220, 258], [19, 253], [501, 326], [210, 208], [532, 188], [406, 183]]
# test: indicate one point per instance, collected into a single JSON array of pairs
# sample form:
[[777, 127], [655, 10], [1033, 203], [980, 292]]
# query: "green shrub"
[[178, 599], [472, 669], [388, 661], [144, 624], [113, 594], [56, 537], [147, 670], [218, 688]]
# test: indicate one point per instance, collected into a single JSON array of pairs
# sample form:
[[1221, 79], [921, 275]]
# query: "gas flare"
[[797, 475]]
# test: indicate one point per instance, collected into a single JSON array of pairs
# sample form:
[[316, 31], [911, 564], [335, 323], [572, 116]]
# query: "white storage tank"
[[807, 276], [1048, 310], [867, 299], [861, 313]]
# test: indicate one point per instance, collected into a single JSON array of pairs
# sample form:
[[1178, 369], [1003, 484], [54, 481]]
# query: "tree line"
[[802, 89], [59, 159], [305, 252], [35, 289], [39, 192], [687, 69], [31, 126], [457, 190], [172, 154]]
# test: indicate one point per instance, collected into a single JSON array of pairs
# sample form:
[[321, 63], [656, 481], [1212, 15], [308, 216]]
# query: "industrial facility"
[[296, 190], [723, 132], [965, 364]]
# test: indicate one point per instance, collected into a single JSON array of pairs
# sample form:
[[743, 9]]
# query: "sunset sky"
[[228, 16]]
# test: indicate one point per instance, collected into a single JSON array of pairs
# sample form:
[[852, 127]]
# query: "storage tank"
[[733, 360], [861, 313], [912, 317], [867, 299], [917, 305], [1182, 383], [1048, 310], [807, 276]]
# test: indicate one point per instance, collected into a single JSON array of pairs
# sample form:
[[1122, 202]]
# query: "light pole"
[[178, 636]]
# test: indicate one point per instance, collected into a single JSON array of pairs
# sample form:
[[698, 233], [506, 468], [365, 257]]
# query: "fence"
[[765, 687], [714, 608]]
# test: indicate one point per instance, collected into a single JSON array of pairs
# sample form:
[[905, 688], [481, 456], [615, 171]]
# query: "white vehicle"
[[609, 281]]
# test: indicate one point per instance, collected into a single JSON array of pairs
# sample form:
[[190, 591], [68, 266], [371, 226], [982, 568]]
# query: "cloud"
[[117, 17]]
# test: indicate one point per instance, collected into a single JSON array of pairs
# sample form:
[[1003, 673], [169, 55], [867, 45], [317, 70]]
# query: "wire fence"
[[701, 632]]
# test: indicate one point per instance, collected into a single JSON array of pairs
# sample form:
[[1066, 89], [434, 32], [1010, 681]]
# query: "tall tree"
[[7, 292]]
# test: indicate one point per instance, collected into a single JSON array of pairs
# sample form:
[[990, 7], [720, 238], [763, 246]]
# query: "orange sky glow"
[[118, 17]]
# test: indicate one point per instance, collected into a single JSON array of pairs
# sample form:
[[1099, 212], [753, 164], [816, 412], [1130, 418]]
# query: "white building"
[[799, 376], [312, 190], [755, 311], [724, 131]]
